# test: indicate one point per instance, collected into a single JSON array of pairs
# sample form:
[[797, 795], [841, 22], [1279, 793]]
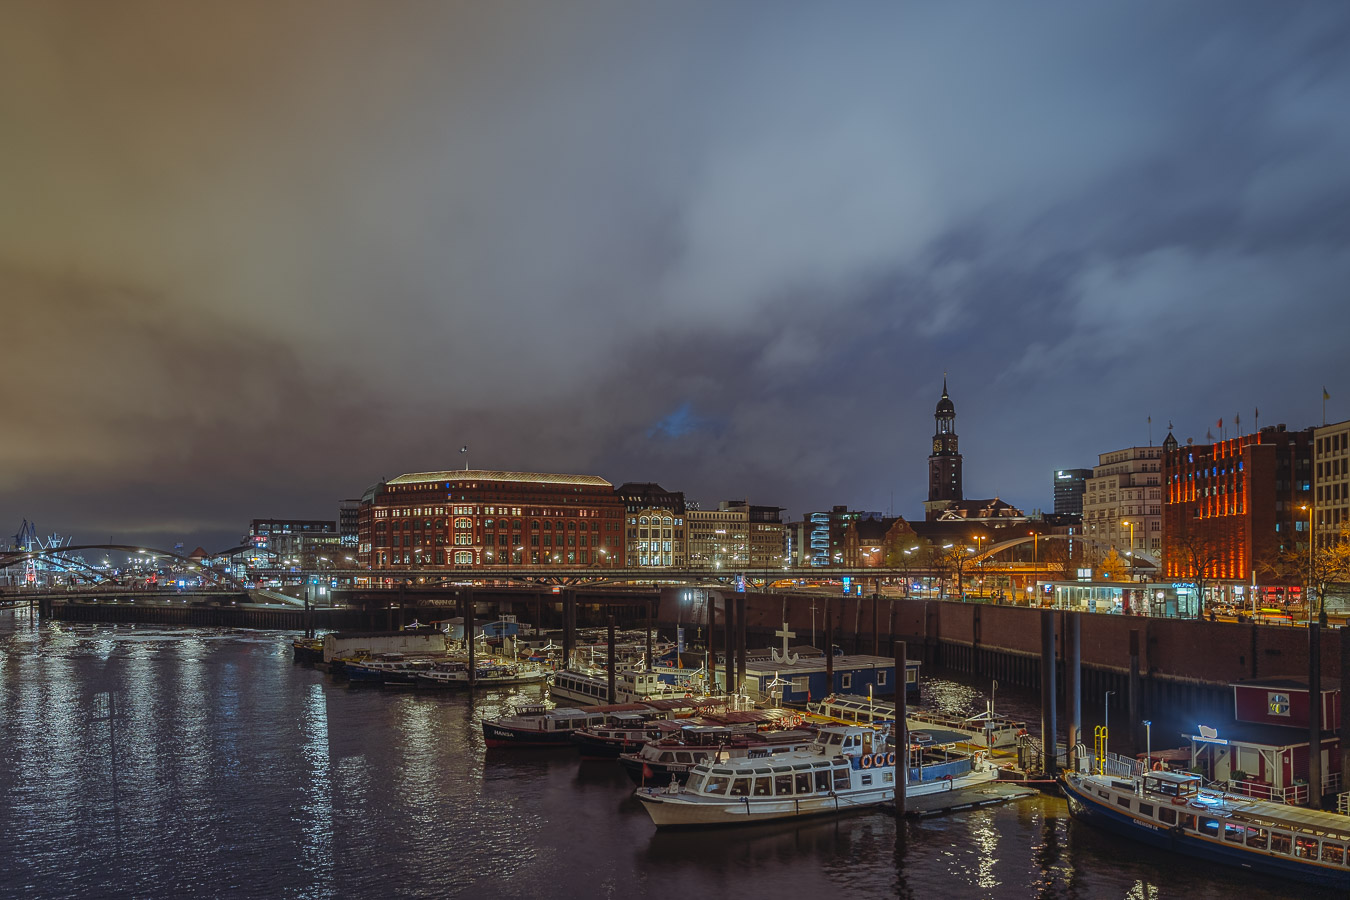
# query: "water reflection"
[[145, 762]]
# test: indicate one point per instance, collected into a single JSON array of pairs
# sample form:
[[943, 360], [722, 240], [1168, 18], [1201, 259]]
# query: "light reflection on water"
[[227, 771]]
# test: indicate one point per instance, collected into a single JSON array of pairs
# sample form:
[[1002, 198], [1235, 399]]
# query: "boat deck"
[[989, 794]]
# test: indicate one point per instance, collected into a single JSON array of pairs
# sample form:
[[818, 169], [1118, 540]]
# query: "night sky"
[[255, 256]]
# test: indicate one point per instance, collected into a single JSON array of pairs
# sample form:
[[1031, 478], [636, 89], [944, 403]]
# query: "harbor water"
[[153, 762]]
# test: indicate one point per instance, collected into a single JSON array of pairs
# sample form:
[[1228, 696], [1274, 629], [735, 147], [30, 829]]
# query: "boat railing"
[[1343, 803], [1123, 766], [1294, 794]]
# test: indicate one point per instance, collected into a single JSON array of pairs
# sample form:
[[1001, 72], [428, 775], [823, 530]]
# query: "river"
[[146, 762]]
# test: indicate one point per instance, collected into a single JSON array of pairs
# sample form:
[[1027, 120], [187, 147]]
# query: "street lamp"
[[1130, 525], [1311, 547], [1106, 724], [1148, 743]]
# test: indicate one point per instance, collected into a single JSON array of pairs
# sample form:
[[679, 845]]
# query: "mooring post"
[[712, 647], [1049, 727], [1315, 715], [468, 634], [742, 629], [876, 629], [613, 662], [901, 735], [569, 638], [1345, 704], [651, 663], [1134, 690], [829, 646], [1073, 681]]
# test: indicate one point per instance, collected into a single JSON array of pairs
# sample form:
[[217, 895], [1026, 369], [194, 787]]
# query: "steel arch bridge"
[[992, 549], [54, 556]]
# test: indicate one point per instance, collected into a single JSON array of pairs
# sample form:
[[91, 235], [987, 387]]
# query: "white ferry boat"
[[630, 686], [491, 675], [845, 768], [1171, 810]]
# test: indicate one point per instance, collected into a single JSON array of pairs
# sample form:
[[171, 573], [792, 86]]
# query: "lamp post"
[[1148, 744], [1035, 561], [1308, 589], [1130, 525], [1106, 724]]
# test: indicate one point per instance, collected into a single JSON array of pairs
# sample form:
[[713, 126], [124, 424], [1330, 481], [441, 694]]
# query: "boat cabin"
[[1177, 786]]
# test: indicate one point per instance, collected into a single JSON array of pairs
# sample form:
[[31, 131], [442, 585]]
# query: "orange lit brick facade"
[[464, 520], [1238, 500]]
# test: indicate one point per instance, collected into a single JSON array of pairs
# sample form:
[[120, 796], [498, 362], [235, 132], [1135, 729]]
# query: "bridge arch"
[[12, 558]]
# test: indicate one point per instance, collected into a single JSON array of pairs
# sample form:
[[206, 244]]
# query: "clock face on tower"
[[937, 445]]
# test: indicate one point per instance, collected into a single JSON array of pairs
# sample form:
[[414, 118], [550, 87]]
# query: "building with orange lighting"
[[476, 519], [1232, 507]]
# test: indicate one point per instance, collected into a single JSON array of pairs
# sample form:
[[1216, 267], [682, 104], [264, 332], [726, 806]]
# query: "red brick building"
[[1233, 506], [475, 519]]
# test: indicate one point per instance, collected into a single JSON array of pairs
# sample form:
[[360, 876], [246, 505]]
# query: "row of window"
[[1332, 443]]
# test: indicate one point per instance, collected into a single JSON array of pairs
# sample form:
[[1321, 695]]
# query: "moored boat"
[[492, 675], [846, 768], [670, 759], [390, 668], [537, 725], [307, 650], [627, 733], [1174, 812], [630, 686]]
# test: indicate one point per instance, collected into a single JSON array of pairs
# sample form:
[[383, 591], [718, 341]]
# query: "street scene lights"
[[1035, 561]]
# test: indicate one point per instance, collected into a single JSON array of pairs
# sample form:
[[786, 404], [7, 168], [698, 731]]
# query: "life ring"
[[1178, 801], [687, 695], [890, 758], [867, 761]]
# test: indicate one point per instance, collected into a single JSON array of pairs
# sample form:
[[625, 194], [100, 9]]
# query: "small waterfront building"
[[804, 678], [1264, 753]]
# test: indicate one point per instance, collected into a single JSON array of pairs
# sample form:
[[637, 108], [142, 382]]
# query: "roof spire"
[[944, 384]]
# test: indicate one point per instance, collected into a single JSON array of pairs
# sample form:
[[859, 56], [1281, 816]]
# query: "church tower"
[[944, 465]]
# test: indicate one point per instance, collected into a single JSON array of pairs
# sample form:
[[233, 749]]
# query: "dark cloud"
[[256, 256]]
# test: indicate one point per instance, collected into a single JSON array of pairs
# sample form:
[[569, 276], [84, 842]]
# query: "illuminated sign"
[[1277, 704]]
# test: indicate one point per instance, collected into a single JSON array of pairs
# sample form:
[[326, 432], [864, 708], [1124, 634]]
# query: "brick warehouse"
[[1231, 507], [475, 519]]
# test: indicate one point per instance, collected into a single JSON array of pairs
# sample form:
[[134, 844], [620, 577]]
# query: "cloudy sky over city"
[[255, 256]]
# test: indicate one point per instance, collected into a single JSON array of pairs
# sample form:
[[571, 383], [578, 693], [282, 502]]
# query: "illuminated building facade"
[[1331, 460], [656, 528], [1070, 485], [1235, 505], [1125, 487], [719, 538], [475, 519]]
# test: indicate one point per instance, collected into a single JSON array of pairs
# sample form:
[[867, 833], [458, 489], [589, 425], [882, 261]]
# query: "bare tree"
[[1197, 557]]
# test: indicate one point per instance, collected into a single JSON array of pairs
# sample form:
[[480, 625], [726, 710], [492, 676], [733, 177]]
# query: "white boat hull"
[[683, 809]]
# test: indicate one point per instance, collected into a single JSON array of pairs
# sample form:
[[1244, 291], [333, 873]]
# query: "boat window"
[[841, 779], [1167, 814], [1104, 795], [823, 781], [667, 756], [683, 756], [764, 786], [1209, 827], [1280, 843], [887, 776], [1146, 809], [717, 784], [740, 787], [782, 784], [695, 782], [1333, 853], [1123, 801], [1188, 822], [1257, 837], [1235, 833], [867, 779], [803, 782], [1306, 847]]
